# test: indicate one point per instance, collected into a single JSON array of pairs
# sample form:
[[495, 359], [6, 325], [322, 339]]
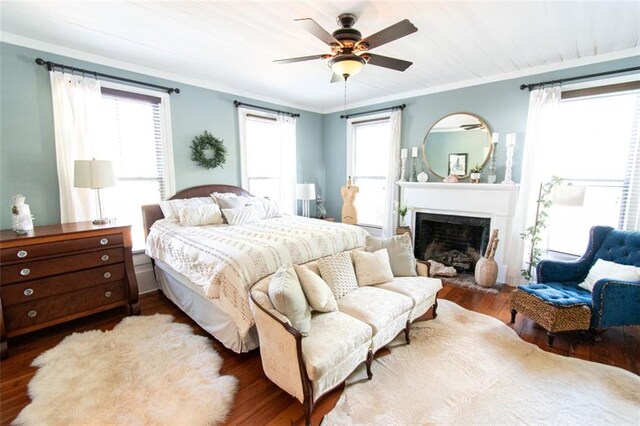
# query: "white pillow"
[[208, 214], [372, 268], [337, 271], [171, 208], [215, 195], [288, 298], [316, 290], [265, 207], [605, 269], [241, 215]]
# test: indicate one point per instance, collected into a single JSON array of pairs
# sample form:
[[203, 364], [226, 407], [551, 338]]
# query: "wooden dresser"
[[62, 272]]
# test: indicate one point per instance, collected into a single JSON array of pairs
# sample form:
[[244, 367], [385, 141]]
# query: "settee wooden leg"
[[407, 330], [308, 408], [368, 363], [513, 316], [435, 308], [550, 337]]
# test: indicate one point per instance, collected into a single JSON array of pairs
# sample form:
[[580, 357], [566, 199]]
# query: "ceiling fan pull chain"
[[345, 96]]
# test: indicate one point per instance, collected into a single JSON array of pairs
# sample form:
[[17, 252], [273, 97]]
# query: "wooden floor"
[[259, 401]]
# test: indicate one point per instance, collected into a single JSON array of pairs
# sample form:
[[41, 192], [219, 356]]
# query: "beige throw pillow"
[[316, 290], [400, 249], [171, 208], [241, 215], [372, 268], [288, 298], [337, 271], [208, 214], [605, 269]]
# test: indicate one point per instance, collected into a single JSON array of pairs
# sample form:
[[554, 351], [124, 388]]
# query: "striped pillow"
[[241, 215]]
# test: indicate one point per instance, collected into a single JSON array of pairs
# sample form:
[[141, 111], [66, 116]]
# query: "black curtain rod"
[[238, 104], [51, 65], [400, 107], [580, 77]]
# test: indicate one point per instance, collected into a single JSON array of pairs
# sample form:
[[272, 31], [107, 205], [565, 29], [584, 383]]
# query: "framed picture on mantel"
[[458, 164]]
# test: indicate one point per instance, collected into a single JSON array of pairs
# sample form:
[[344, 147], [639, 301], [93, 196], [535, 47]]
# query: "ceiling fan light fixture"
[[347, 65]]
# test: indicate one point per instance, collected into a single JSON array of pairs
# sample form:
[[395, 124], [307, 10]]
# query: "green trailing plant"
[[532, 233], [402, 210], [204, 143]]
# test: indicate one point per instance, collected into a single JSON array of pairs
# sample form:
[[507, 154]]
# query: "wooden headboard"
[[152, 212]]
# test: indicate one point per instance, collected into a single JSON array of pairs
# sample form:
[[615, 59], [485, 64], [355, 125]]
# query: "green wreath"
[[206, 142]]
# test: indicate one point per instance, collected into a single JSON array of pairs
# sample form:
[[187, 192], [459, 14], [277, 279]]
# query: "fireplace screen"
[[457, 241]]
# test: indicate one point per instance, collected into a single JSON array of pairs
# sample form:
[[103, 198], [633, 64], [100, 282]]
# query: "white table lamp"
[[305, 192], [94, 174]]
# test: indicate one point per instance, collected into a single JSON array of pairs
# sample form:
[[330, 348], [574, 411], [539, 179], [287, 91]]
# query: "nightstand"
[[62, 272]]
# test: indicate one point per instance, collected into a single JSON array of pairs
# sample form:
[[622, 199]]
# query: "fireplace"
[[457, 241]]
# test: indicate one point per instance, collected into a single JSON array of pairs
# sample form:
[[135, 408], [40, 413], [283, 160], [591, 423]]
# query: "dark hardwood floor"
[[258, 401]]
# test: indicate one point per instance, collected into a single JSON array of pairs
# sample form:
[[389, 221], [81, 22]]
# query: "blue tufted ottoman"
[[554, 306]]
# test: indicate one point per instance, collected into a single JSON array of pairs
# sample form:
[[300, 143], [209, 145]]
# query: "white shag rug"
[[148, 370], [467, 368]]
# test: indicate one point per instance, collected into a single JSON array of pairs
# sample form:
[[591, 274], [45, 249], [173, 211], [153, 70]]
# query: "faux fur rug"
[[147, 371], [467, 368]]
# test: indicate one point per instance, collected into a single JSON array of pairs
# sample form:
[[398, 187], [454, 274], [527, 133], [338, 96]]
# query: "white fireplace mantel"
[[496, 202]]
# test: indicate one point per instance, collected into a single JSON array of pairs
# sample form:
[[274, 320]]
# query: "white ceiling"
[[230, 45]]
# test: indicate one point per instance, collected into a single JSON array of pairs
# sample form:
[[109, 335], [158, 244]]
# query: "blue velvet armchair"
[[612, 302]]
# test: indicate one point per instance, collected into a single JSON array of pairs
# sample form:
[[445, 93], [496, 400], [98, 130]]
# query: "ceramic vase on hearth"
[[486, 272]]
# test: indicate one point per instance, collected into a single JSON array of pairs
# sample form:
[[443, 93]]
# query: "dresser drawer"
[[15, 254], [26, 316], [27, 271], [74, 281]]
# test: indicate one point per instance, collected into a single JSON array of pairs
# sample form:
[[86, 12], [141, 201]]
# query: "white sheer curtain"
[[543, 111], [76, 109], [393, 155], [288, 178]]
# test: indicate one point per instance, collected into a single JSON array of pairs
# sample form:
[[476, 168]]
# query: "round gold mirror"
[[455, 144]]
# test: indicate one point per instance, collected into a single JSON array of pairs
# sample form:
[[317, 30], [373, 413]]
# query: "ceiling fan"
[[472, 126], [349, 51]]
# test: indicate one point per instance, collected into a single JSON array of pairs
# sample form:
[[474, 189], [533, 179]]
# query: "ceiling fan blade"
[[387, 62], [301, 58], [335, 78], [314, 28], [394, 32]]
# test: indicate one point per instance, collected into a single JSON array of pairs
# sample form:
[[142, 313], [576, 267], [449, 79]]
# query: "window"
[[368, 144], [597, 147], [135, 136], [268, 152]]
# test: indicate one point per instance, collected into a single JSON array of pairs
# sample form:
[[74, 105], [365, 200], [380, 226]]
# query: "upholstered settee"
[[558, 302], [368, 318]]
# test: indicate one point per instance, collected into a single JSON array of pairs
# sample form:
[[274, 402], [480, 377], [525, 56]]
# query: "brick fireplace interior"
[[457, 241]]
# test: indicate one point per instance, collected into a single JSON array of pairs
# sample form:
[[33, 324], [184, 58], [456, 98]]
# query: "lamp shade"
[[94, 174], [568, 195], [347, 65], [306, 191]]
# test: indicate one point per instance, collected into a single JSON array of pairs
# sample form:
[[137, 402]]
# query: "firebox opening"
[[457, 241]]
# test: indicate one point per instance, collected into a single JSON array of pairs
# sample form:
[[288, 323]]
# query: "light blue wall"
[[27, 147], [502, 105]]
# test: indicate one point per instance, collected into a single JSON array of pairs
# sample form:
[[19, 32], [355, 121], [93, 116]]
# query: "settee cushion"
[[417, 288], [333, 336], [372, 268], [287, 297], [401, 258], [316, 290], [337, 271], [560, 294], [375, 306]]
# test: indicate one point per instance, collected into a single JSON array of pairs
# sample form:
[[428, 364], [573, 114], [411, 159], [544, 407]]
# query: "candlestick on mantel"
[[495, 137], [511, 144], [414, 152], [403, 153]]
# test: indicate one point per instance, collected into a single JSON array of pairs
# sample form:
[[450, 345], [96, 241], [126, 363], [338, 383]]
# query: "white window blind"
[[368, 166], [630, 209]]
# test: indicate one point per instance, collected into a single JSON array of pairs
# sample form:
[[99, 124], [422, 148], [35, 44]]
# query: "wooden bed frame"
[[151, 213]]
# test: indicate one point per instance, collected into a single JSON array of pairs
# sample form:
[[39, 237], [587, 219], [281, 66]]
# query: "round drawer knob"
[[107, 275], [22, 254], [32, 314], [28, 292], [105, 257], [107, 294], [25, 272], [104, 241]]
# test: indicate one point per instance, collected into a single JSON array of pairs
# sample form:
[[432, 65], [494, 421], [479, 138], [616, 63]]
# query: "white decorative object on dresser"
[[480, 200]]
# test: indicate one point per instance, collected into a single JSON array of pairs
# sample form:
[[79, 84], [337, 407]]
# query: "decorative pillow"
[[266, 208], [372, 268], [208, 214], [605, 269], [241, 215], [400, 250], [231, 202], [288, 298], [171, 208], [215, 195], [316, 290], [337, 271]]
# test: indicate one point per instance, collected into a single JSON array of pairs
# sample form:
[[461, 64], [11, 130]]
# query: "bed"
[[207, 270]]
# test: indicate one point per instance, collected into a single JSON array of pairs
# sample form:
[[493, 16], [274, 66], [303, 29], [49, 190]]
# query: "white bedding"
[[226, 260]]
